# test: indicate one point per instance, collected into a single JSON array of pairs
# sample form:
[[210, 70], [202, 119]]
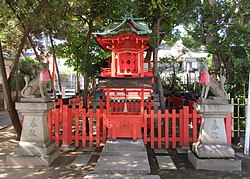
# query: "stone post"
[[34, 148], [212, 152]]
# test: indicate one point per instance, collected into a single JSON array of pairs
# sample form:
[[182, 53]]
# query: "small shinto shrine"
[[128, 76]]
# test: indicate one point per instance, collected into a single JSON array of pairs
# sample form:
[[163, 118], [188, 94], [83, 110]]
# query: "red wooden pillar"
[[50, 124], [174, 128], [152, 131], [159, 117], [166, 129], [145, 126], [77, 137], [108, 101], [105, 123], [113, 65], [142, 100], [228, 124], [67, 124], [185, 126], [83, 127], [90, 127], [141, 63], [195, 121], [98, 127], [57, 125]]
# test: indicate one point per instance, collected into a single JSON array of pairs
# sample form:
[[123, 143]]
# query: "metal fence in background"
[[239, 116]]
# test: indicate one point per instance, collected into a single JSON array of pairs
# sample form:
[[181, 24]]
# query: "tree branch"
[[20, 49]]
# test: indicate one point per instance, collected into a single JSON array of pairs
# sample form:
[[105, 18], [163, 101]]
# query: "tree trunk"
[[34, 48], [155, 60], [216, 64], [8, 98], [54, 60], [77, 84], [17, 56], [86, 51], [77, 73], [17, 85]]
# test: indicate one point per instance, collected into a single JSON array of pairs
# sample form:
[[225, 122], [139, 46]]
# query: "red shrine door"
[[128, 63]]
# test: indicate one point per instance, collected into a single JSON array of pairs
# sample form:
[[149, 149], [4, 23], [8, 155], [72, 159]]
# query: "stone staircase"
[[121, 158]]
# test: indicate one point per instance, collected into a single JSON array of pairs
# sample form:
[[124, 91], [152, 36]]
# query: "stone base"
[[212, 151], [214, 164], [36, 100], [28, 160], [33, 148]]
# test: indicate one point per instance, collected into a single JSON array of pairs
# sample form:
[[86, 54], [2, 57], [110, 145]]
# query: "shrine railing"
[[74, 125], [107, 72], [132, 106]]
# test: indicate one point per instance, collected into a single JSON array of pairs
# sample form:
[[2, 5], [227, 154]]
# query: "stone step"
[[123, 164], [124, 145], [119, 176], [124, 157], [165, 162], [81, 160]]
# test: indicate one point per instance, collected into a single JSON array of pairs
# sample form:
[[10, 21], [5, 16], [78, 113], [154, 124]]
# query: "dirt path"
[[59, 169]]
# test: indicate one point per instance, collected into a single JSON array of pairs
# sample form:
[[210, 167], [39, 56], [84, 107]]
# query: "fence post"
[[195, 126], [152, 131], [98, 126], [70, 117], [228, 129], [145, 125], [50, 123], [77, 126], [166, 129], [91, 127], [174, 128], [185, 126], [65, 114], [83, 127], [104, 130], [57, 125], [159, 128]]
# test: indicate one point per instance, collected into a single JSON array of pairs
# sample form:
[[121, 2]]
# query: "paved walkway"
[[5, 119]]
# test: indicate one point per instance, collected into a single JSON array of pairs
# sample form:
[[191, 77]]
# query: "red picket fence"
[[76, 126], [80, 127], [175, 128]]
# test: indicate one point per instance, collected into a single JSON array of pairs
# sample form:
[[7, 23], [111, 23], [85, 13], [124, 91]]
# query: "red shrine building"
[[128, 76]]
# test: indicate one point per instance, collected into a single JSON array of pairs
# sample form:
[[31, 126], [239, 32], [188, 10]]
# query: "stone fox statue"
[[37, 86], [205, 81]]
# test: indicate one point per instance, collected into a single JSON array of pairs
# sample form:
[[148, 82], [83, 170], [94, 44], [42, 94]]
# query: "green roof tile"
[[140, 27]]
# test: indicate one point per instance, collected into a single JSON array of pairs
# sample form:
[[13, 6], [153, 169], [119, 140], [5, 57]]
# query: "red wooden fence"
[[71, 124]]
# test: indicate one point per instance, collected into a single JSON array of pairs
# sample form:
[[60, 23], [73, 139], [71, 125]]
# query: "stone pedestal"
[[212, 149], [34, 148]]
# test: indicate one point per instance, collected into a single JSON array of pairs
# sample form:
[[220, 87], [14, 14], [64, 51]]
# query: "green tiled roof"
[[140, 28]]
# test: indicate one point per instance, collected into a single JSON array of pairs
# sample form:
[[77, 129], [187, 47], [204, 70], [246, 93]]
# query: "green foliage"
[[238, 87], [27, 66], [171, 82]]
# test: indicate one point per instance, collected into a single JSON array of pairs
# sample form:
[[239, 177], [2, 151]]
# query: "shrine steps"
[[123, 157]]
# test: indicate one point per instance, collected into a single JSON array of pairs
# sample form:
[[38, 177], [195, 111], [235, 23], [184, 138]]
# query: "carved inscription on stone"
[[33, 127], [215, 130]]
